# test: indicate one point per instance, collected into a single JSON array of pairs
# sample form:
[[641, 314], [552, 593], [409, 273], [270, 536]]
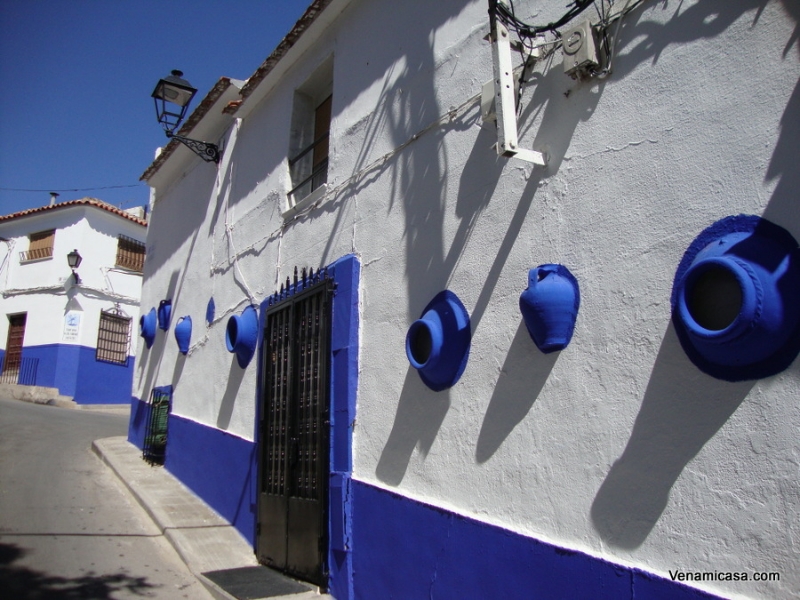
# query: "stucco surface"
[[617, 446]]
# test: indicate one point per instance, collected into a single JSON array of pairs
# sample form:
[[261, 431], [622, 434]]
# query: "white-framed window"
[[310, 136]]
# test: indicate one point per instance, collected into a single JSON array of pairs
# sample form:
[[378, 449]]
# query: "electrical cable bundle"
[[506, 16]]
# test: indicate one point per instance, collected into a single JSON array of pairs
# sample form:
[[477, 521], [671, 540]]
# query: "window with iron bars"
[[113, 338], [130, 254], [40, 245]]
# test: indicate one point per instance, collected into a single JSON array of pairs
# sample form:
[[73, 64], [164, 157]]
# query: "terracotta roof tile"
[[81, 202]]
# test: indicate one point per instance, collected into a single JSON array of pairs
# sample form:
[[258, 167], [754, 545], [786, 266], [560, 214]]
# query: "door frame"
[[14, 351], [343, 377], [297, 534]]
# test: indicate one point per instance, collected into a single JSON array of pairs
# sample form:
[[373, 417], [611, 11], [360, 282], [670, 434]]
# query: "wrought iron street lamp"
[[174, 91], [74, 261]]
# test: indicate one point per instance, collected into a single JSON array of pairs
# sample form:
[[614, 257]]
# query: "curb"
[[202, 538]]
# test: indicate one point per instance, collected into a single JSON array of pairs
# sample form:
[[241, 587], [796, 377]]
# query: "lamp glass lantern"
[[170, 92], [74, 259]]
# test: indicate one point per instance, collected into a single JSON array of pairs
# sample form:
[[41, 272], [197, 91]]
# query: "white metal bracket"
[[505, 103]]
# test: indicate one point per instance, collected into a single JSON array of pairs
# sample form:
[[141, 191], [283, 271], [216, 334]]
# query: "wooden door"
[[13, 357]]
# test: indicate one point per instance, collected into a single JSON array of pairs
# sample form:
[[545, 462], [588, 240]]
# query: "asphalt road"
[[68, 527]]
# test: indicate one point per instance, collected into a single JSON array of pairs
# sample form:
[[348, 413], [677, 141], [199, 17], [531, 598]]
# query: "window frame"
[[110, 350], [40, 246], [137, 249], [309, 149]]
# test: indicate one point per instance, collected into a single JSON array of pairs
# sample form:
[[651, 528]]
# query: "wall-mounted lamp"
[[74, 261], [171, 91]]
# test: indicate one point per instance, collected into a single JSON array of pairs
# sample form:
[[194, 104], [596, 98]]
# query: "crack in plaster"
[[611, 149]]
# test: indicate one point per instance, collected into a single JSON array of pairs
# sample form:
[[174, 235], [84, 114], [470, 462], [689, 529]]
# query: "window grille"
[[40, 245], [113, 338], [155, 437], [130, 254]]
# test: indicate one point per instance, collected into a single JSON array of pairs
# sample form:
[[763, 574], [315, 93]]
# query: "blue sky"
[[76, 78]]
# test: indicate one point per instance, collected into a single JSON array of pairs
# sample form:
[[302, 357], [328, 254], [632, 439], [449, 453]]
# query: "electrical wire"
[[507, 16], [610, 42], [532, 37], [107, 187]]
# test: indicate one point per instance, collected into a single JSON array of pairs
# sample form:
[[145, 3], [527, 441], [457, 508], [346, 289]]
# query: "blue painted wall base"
[[137, 423], [76, 372], [407, 549], [218, 467], [393, 547]]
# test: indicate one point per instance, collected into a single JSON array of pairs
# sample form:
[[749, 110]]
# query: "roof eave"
[[74, 203]]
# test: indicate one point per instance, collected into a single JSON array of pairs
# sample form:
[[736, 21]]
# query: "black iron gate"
[[293, 453]]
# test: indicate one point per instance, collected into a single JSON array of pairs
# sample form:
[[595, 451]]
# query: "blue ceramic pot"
[[241, 335], [549, 306], [164, 312], [147, 327], [438, 343], [183, 333], [210, 311], [736, 297]]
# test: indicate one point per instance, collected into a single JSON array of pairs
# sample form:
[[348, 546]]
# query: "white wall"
[[617, 446], [44, 288]]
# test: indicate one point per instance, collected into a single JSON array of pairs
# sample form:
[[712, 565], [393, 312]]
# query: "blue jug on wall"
[[550, 305], [164, 312], [147, 327], [183, 333]]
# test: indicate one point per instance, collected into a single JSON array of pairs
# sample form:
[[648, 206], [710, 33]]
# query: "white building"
[[613, 468], [67, 332]]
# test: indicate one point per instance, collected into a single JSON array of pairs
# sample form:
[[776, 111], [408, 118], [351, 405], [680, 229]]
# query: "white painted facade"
[[45, 288], [617, 446]]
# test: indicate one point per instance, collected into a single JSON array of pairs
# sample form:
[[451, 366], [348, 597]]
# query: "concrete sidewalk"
[[203, 539]]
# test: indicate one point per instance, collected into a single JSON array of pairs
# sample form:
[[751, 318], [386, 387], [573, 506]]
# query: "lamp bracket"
[[207, 151]]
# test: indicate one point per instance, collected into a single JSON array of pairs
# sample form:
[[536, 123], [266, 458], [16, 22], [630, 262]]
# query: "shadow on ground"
[[17, 581]]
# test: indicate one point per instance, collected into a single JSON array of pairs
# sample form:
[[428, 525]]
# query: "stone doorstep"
[[49, 396], [36, 394]]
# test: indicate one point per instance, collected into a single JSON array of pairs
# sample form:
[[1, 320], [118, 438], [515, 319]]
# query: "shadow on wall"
[[419, 184], [683, 408], [420, 177], [180, 363], [702, 20], [150, 362], [782, 207], [681, 411], [235, 377], [522, 378], [420, 414]]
